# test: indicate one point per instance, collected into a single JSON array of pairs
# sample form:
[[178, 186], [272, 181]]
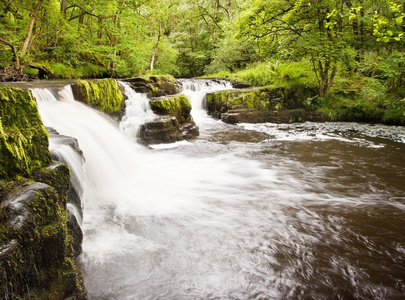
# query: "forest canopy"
[[317, 40]]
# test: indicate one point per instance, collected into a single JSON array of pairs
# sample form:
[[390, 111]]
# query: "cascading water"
[[137, 112], [301, 211], [196, 89]]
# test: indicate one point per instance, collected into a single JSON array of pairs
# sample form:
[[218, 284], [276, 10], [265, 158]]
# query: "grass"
[[273, 73]]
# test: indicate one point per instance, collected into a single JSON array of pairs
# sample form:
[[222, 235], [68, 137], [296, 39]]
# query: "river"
[[248, 211]]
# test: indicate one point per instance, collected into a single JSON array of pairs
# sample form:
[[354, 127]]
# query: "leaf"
[[389, 32], [399, 20]]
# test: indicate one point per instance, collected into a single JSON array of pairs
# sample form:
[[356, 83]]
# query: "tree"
[[305, 29]]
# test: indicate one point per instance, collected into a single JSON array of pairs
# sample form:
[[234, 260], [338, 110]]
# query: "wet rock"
[[36, 250], [166, 129], [23, 137], [174, 124], [178, 106], [37, 260], [104, 95], [259, 105], [155, 86]]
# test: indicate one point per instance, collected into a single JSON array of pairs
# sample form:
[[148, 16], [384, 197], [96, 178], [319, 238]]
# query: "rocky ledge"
[[267, 104], [174, 123], [104, 95], [155, 86], [39, 239]]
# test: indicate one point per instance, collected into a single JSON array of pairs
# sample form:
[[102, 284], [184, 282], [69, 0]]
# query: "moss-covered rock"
[[155, 86], [174, 124], [37, 257], [267, 104], [162, 130], [23, 137], [104, 95], [37, 248], [43, 72], [178, 106]]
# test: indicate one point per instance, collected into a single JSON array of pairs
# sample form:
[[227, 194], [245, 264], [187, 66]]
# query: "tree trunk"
[[324, 76], [154, 49], [63, 7], [31, 27], [16, 58]]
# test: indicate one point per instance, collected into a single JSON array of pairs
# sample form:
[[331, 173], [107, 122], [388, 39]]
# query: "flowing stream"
[[249, 211]]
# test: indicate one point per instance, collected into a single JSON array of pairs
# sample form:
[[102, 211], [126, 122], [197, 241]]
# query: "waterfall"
[[137, 112], [196, 89], [197, 85]]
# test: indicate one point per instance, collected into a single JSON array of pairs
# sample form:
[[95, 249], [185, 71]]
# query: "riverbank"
[[353, 97]]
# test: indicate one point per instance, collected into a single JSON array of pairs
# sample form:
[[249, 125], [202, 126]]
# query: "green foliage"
[[281, 42], [389, 26], [30, 71], [360, 98], [83, 71], [280, 73]]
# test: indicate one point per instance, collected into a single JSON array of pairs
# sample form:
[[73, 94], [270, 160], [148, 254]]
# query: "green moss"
[[162, 79], [39, 256], [37, 247], [263, 99], [178, 106], [23, 137], [30, 71], [104, 95]]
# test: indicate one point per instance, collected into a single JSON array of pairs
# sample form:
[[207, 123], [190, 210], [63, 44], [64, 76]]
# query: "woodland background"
[[349, 46]]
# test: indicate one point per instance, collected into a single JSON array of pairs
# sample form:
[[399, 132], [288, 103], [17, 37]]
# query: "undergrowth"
[[273, 73]]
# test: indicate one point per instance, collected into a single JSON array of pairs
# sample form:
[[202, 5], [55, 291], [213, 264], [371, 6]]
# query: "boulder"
[[38, 243], [166, 129], [155, 86], [259, 105], [178, 106], [174, 123], [23, 137], [104, 95], [37, 257]]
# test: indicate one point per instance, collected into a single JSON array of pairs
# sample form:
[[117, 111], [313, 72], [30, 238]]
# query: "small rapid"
[[249, 211]]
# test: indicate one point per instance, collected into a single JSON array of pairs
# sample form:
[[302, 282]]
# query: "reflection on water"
[[306, 211]]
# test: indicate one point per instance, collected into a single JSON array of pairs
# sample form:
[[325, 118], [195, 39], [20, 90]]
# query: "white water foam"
[[137, 112]]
